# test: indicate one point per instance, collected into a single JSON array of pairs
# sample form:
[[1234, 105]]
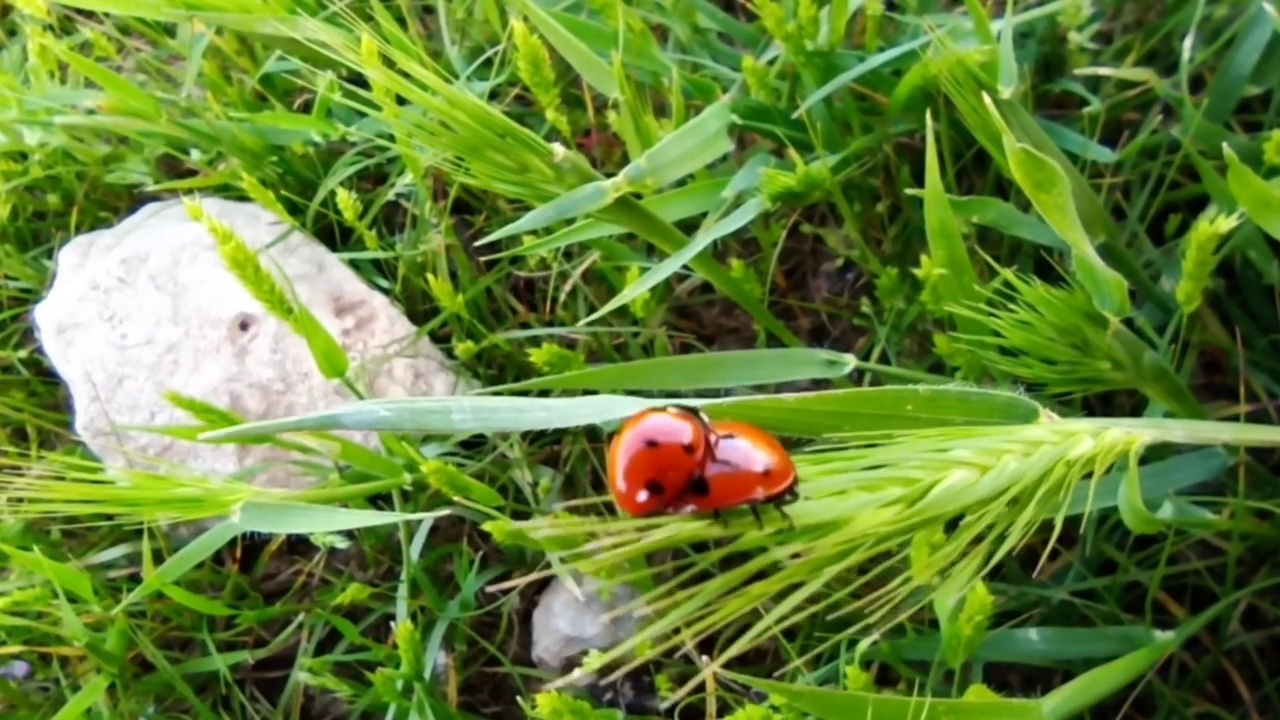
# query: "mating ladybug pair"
[[675, 460]]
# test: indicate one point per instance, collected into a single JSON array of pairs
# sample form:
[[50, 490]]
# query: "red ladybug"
[[745, 466], [655, 455]]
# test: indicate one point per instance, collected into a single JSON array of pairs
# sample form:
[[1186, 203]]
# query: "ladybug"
[[655, 455], [746, 466]]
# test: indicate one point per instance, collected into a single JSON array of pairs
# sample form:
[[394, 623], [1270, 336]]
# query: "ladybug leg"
[[791, 524], [755, 511]]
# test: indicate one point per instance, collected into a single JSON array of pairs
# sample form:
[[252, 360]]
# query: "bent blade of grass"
[[959, 283], [1159, 480], [1090, 688], [1259, 199], [1048, 188], [1045, 646], [831, 704], [697, 198], [871, 64], [86, 697], [1072, 142], [300, 518], [733, 368], [582, 200], [586, 63], [1002, 216], [745, 213], [66, 577], [183, 561], [1237, 68], [686, 150], [845, 410]]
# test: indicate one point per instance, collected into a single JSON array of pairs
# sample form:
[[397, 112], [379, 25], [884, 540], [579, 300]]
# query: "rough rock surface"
[[147, 306], [565, 625]]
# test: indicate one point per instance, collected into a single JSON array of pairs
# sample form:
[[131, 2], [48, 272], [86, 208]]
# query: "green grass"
[[1007, 284]]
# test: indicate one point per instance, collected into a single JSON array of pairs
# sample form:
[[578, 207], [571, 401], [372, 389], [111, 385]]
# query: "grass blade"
[[959, 282], [687, 201], [733, 368], [813, 414], [72, 580], [297, 518], [829, 704], [181, 562], [85, 698], [586, 63], [1044, 646], [1259, 200], [745, 213], [691, 147], [1048, 188]]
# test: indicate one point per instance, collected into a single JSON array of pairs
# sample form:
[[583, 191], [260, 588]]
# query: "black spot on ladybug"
[[651, 443], [655, 488], [699, 486], [689, 449], [766, 472]]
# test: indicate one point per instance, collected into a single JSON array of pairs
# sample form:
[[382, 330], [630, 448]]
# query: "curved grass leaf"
[[1238, 66], [806, 414], [1069, 700], [1159, 480], [1048, 646], [1257, 198], [300, 518], [1048, 188], [182, 561], [684, 151], [582, 200], [1070, 141], [697, 198], [89, 695], [958, 282], [1002, 216], [586, 63], [68, 578], [879, 409], [829, 704], [745, 213], [871, 64], [733, 368]]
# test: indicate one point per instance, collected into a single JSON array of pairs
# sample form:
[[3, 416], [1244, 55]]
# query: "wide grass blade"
[[814, 414], [697, 198], [733, 368], [1048, 188], [1160, 480], [1043, 646], [586, 63], [745, 213], [829, 704], [183, 561], [68, 578], [688, 149], [1259, 199], [958, 282], [1069, 700], [298, 518]]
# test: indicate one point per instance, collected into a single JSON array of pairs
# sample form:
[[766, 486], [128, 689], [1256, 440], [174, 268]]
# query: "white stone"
[[147, 307], [567, 624]]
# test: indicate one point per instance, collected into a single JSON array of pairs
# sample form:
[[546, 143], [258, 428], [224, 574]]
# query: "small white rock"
[[148, 306], [565, 625]]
